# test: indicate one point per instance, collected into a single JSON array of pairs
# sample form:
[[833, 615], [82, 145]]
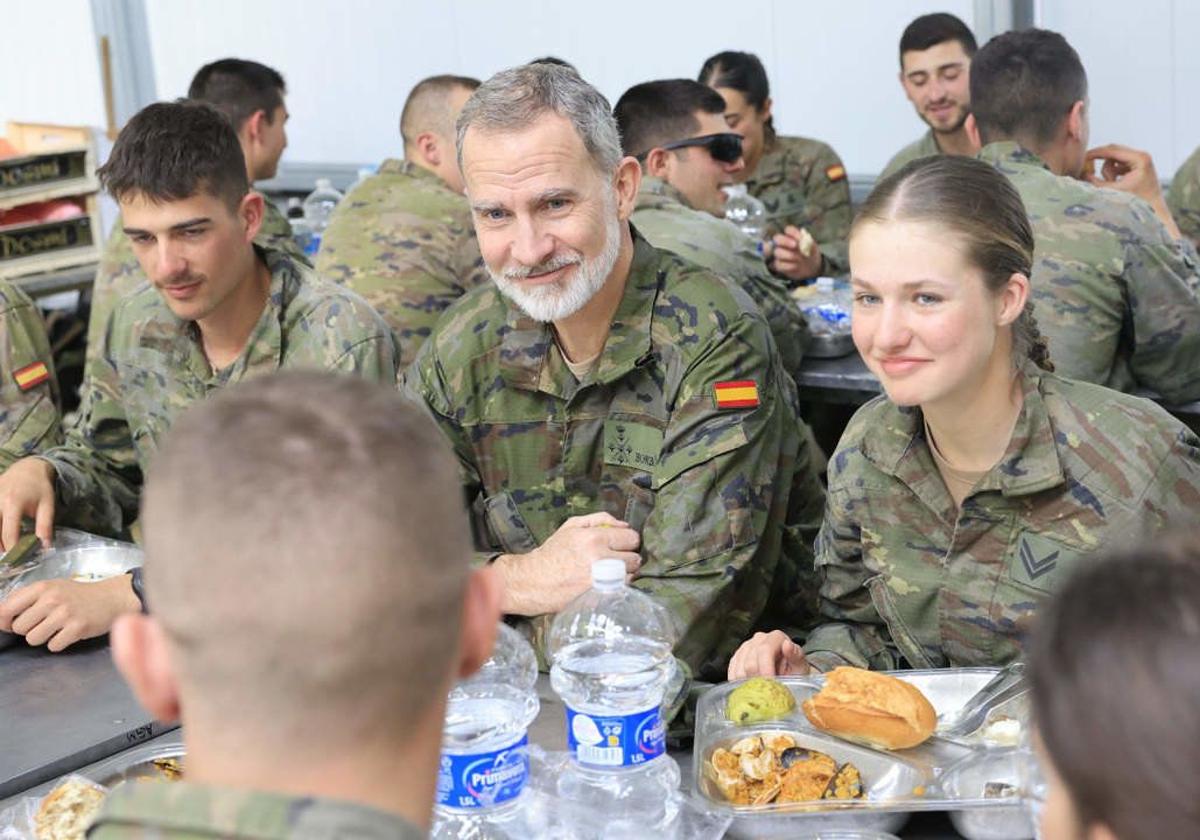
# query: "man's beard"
[[954, 126], [555, 301]]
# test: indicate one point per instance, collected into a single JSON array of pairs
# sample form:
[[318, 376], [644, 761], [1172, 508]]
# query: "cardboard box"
[[52, 161], [37, 247]]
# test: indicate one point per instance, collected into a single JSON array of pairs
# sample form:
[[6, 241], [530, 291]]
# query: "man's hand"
[[26, 489], [62, 612], [1130, 171], [788, 255], [768, 655], [546, 579]]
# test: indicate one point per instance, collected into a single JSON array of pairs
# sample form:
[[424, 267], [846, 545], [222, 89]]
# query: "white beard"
[[561, 299]]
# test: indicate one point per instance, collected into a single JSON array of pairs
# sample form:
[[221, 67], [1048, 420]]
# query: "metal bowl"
[[86, 563], [830, 345]]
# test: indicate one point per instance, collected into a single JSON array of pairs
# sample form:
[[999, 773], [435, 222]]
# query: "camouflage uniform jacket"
[[119, 275], [908, 578], [28, 394], [664, 218], [405, 242], [152, 366], [1184, 198], [185, 811], [926, 146], [641, 437], [1117, 298], [802, 182]]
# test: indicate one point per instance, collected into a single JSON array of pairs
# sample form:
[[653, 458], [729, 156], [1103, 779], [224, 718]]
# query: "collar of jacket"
[[392, 166], [657, 194], [1010, 151], [525, 357], [1030, 463]]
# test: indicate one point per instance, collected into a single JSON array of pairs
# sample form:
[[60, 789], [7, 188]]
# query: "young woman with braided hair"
[[960, 500]]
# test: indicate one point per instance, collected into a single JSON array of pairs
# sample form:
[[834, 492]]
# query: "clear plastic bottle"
[[318, 207], [612, 666], [747, 212], [485, 749]]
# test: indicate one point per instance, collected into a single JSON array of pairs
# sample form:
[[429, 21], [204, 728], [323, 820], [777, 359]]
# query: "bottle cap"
[[324, 183], [608, 571]]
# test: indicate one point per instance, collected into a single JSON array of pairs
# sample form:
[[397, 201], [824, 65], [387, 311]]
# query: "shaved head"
[[433, 106], [307, 555]]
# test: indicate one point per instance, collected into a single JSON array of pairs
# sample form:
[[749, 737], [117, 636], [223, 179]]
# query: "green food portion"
[[759, 699]]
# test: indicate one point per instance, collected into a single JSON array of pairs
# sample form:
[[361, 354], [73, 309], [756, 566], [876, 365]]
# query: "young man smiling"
[[219, 309]]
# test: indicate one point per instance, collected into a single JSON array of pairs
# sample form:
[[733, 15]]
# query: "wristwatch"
[[139, 588]]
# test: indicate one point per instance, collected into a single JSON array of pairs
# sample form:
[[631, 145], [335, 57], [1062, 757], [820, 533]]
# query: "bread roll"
[[871, 708], [68, 810]]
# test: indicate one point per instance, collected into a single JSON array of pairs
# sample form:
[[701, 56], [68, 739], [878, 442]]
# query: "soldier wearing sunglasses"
[[676, 129]]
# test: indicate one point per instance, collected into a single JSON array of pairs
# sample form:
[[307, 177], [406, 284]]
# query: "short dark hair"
[[930, 30], [425, 108], [743, 72], [1115, 673], [238, 88], [1023, 85], [654, 113], [170, 151]]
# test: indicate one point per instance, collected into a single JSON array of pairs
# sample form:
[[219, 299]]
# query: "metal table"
[[60, 712]]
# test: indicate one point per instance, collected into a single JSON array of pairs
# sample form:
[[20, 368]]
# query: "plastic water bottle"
[[485, 749], [612, 665], [318, 207], [747, 212]]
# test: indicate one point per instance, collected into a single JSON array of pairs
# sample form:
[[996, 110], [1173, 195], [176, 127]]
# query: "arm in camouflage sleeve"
[[711, 544], [29, 418], [98, 475], [1164, 296], [829, 203], [1183, 198], [854, 633]]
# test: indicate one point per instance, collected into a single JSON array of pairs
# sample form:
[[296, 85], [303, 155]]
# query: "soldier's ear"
[[429, 148], [1077, 122], [627, 180], [972, 129], [251, 210], [765, 111], [656, 163], [1011, 299], [480, 615], [142, 655]]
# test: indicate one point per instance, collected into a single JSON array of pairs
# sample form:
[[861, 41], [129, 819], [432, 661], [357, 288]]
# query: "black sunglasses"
[[725, 147]]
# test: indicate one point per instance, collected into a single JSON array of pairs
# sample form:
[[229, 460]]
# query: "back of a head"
[[238, 88], [654, 113], [428, 106], [972, 201], [170, 151], [553, 59], [1115, 671], [514, 99], [306, 553], [1023, 86], [740, 71], [930, 30]]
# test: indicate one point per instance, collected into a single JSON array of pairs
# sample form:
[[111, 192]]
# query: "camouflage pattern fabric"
[[1183, 198], [29, 418], [664, 218], [1117, 298], [404, 241], [183, 811], [908, 579], [926, 146], [119, 275], [802, 182], [151, 367], [642, 438]]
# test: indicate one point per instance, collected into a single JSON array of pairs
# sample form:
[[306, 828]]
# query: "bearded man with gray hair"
[[605, 398]]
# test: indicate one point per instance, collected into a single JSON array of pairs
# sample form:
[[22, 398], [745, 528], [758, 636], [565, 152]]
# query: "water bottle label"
[[312, 245], [482, 780], [616, 740]]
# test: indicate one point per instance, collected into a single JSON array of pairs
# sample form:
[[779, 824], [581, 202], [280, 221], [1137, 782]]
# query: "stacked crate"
[[44, 163]]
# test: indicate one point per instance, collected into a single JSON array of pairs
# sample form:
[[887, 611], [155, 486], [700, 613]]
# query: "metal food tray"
[[938, 775], [830, 345], [136, 764]]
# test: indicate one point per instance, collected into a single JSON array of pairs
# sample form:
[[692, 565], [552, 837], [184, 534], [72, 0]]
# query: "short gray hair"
[[514, 98]]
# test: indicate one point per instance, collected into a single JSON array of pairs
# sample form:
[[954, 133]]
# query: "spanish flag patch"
[[836, 172], [742, 393], [31, 376]]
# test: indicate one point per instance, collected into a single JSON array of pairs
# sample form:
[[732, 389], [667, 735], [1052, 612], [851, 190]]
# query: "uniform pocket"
[[507, 525], [903, 638]]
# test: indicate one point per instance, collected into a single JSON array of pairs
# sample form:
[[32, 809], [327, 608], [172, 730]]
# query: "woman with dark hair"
[[1115, 669], [961, 499], [801, 181]]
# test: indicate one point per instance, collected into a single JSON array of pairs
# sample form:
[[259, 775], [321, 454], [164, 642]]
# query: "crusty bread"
[[68, 810], [871, 708]]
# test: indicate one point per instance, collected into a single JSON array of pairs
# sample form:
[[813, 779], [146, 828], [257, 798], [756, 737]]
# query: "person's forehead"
[[928, 61], [548, 149], [897, 251], [143, 212], [735, 100]]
